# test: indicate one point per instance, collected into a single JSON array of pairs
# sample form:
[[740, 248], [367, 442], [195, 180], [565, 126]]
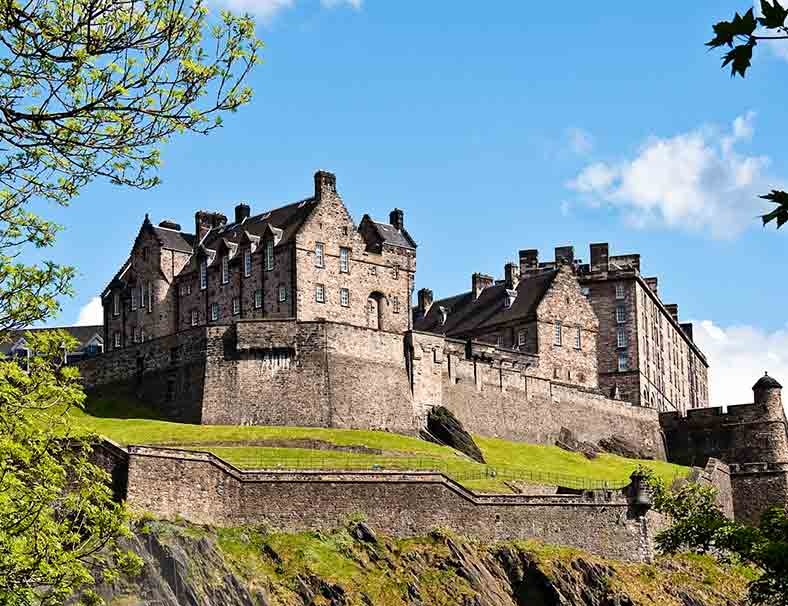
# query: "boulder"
[[446, 428], [621, 446], [568, 441]]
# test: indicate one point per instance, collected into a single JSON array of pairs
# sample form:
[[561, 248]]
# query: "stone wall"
[[717, 474], [205, 490], [757, 487]]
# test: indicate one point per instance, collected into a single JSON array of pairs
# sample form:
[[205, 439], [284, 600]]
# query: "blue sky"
[[500, 126]]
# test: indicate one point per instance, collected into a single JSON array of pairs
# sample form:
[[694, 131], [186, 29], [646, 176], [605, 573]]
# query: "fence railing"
[[333, 461]]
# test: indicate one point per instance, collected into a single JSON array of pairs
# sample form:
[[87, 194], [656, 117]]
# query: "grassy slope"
[[241, 446]]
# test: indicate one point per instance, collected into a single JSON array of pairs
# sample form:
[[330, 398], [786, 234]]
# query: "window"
[[373, 271], [136, 334], [621, 337], [320, 293], [142, 335], [214, 312], [344, 297], [578, 338], [395, 272], [320, 257], [557, 336], [195, 317], [145, 253], [150, 297], [395, 305], [282, 293], [134, 298], [116, 304], [258, 298], [621, 314], [117, 340], [236, 306], [585, 290], [189, 288], [623, 361], [247, 262], [225, 269], [269, 255], [203, 274], [619, 290], [522, 337], [344, 260], [498, 340]]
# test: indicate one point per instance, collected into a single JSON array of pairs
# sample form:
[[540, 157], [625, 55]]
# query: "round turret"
[[768, 392]]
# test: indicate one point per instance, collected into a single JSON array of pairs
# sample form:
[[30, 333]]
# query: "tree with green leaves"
[[741, 35], [698, 525], [89, 89]]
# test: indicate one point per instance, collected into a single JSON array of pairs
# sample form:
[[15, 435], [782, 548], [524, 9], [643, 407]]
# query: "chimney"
[[565, 254], [511, 272], [479, 282], [529, 260], [687, 328], [204, 221], [170, 224], [397, 219], [242, 212], [673, 310], [652, 283], [425, 301], [325, 184], [599, 257]]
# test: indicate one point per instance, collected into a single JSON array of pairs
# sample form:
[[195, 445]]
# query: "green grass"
[[245, 447]]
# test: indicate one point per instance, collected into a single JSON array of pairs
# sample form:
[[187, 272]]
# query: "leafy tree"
[[741, 35], [89, 89], [698, 525]]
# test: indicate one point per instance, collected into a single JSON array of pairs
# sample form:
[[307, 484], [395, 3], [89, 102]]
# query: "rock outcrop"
[[448, 430], [187, 565]]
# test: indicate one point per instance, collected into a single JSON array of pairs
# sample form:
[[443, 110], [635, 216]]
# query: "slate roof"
[[767, 382], [391, 235], [466, 317], [83, 334], [174, 240]]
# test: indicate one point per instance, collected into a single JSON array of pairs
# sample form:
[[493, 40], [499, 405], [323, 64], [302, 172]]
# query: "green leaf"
[[774, 14]]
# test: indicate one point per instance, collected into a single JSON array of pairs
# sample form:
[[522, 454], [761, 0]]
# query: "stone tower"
[[767, 392]]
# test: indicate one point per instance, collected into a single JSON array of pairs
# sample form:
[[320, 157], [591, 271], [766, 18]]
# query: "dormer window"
[[225, 269], [269, 255], [247, 262], [203, 274]]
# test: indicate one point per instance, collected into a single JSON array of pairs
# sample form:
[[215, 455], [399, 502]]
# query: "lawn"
[[128, 422]]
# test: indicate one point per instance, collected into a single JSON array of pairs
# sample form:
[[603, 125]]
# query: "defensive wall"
[[751, 438], [326, 374], [206, 490]]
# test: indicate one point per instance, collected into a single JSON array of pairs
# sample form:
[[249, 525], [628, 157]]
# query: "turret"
[[768, 393]]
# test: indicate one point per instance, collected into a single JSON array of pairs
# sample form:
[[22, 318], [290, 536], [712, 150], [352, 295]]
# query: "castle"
[[295, 316]]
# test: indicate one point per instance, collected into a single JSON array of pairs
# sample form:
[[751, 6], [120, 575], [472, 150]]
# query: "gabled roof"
[[466, 317], [393, 236], [174, 240], [83, 334]]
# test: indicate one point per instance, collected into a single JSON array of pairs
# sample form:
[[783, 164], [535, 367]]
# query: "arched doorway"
[[375, 303]]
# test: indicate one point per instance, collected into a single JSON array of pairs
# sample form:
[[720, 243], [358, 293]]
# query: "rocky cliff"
[[187, 565]]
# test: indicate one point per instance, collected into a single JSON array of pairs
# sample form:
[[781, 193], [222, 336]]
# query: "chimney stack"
[[170, 224], [204, 221], [242, 212], [397, 219], [529, 261], [511, 273], [653, 284], [599, 257], [425, 301], [687, 328], [325, 184], [479, 282], [565, 254], [673, 310]]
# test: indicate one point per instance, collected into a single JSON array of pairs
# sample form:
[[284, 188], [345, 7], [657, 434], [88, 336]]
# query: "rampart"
[[324, 374], [206, 490]]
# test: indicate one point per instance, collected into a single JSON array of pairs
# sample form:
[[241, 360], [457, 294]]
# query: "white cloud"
[[265, 10], [580, 141], [694, 181], [738, 356], [91, 313]]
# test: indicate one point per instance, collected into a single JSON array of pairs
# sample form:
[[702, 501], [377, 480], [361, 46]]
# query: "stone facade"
[[751, 438], [206, 490]]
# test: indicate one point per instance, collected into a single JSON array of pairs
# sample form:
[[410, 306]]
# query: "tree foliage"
[[90, 89], [741, 35], [698, 525], [58, 521]]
